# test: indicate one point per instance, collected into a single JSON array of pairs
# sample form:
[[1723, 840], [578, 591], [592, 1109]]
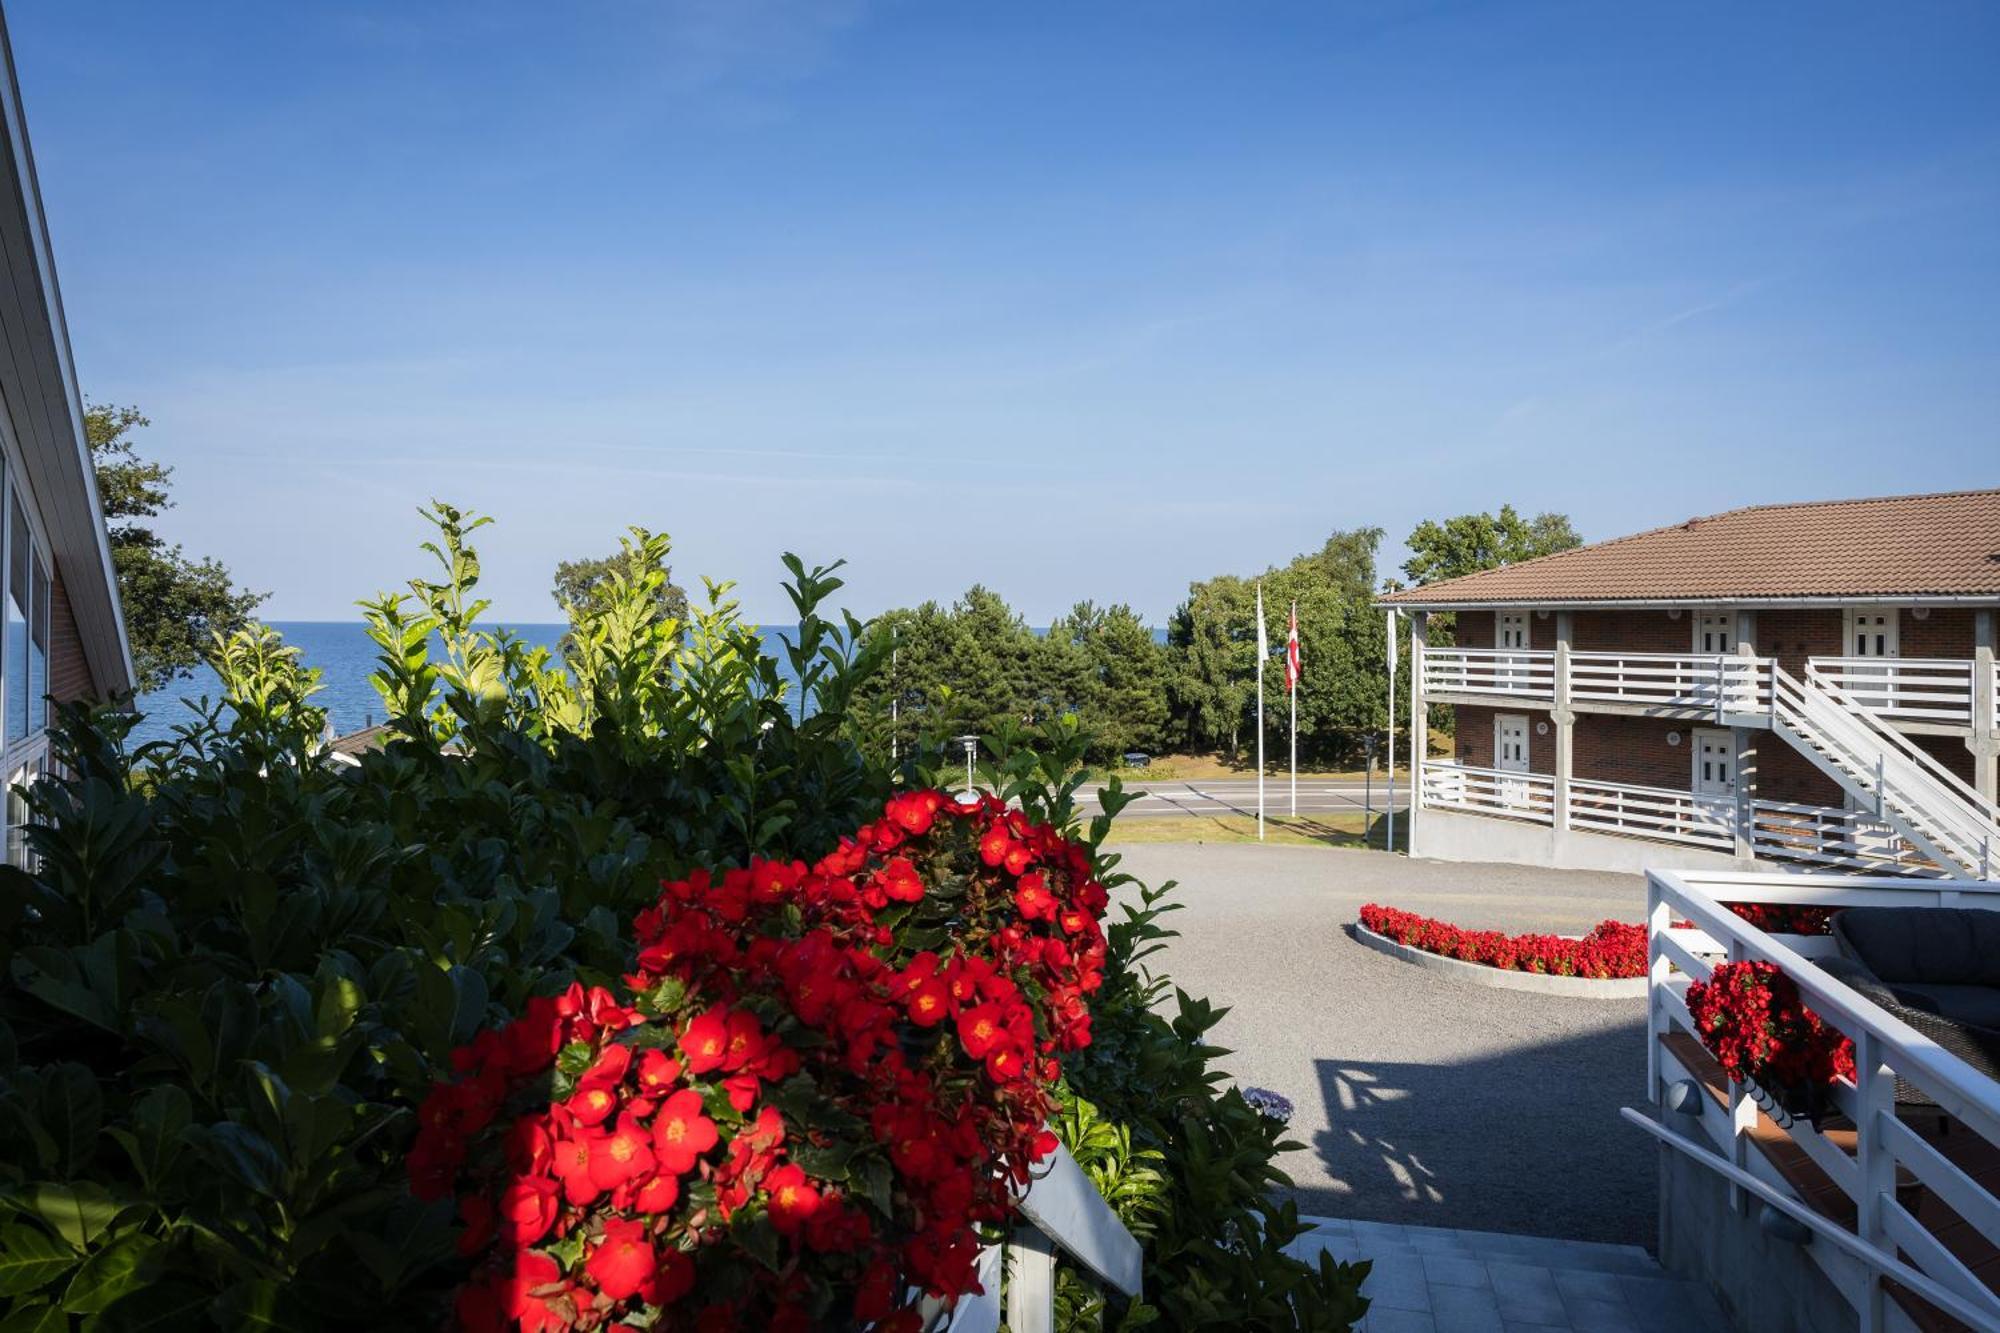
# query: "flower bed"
[[1612, 949]]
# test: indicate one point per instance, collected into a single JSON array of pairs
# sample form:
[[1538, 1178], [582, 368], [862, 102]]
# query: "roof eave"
[[1407, 603], [71, 507]]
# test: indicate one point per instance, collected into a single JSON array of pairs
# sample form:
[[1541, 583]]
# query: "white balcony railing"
[[1711, 682], [1815, 835], [1516, 673], [1653, 812], [1488, 791], [1912, 689], [1889, 1168], [1830, 836], [1909, 690]]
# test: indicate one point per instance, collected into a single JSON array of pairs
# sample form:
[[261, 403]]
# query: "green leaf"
[[35, 1319], [30, 1258], [751, 1229], [828, 1163], [108, 1274], [257, 1305], [164, 1307], [340, 999], [159, 1117], [242, 1154], [72, 1104], [78, 1212], [873, 1177], [469, 998]]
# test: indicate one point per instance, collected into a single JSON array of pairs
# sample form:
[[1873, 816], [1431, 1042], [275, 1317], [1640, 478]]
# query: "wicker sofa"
[[1935, 968]]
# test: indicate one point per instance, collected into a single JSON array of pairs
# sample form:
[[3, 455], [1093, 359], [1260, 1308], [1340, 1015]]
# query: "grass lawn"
[[1316, 830]]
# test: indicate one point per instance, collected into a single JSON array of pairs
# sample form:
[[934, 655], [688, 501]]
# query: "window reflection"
[[18, 597]]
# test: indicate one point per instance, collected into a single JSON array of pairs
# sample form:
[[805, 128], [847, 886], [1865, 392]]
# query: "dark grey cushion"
[[1931, 946], [1977, 1005]]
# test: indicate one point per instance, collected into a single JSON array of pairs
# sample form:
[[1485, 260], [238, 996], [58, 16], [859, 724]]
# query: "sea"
[[345, 656]]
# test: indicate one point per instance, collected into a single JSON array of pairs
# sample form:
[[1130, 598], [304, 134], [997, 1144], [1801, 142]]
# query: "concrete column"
[[1420, 738], [1984, 742], [1746, 749], [1565, 719]]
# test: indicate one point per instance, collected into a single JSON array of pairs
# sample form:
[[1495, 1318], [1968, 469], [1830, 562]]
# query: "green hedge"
[[239, 963]]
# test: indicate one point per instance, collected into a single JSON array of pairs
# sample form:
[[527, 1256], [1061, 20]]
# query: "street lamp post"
[[971, 744]]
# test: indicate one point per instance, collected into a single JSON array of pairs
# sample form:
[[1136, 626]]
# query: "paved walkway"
[[1433, 1280], [1420, 1100]]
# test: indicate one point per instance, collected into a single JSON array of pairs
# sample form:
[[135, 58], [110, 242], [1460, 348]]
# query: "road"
[[1223, 796]]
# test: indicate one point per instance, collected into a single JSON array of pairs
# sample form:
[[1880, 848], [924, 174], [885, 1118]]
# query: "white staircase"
[[1949, 821]]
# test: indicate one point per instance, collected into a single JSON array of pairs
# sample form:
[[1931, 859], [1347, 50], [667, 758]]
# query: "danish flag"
[[1292, 651]]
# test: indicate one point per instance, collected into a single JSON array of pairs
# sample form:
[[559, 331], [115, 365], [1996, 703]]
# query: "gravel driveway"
[[1420, 1100]]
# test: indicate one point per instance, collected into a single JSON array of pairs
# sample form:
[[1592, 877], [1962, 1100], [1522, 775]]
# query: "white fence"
[[1517, 673], [1888, 1239], [1916, 689], [1060, 1210]]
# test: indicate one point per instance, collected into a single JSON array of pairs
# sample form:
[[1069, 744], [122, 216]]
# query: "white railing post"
[[1031, 1281], [1874, 1097]]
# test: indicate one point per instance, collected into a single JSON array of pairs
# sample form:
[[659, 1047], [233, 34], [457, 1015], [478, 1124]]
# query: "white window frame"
[[26, 756]]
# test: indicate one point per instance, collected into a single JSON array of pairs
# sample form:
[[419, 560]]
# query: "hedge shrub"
[[238, 965]]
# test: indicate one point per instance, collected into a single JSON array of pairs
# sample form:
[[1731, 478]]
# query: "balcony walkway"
[[1421, 1102]]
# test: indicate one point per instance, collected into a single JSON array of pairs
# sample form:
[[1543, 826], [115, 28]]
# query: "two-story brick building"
[[1806, 683]]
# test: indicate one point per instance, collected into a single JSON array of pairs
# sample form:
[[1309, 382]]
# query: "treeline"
[[976, 666]]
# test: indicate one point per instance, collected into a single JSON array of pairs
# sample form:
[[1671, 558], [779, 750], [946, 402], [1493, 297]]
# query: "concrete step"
[[1440, 1280]]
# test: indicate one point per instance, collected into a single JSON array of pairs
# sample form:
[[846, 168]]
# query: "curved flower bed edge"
[[1612, 950]]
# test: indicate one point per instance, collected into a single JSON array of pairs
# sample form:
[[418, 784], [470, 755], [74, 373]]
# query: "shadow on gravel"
[[1526, 1141]]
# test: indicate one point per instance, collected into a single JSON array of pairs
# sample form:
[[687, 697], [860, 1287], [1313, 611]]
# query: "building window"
[[38, 648], [19, 600]]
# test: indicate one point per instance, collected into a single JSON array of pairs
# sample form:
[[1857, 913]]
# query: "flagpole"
[[1389, 843], [1262, 652], [1291, 675]]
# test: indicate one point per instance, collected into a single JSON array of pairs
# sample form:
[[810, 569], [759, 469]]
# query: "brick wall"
[[1630, 631], [1475, 629], [1949, 751], [69, 673], [1792, 636], [1945, 632], [1474, 738], [1610, 748], [1783, 774]]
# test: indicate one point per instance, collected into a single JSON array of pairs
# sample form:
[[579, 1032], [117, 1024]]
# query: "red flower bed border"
[[1612, 949]]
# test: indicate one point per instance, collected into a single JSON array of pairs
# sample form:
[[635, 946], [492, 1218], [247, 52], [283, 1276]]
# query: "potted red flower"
[[1751, 1018]]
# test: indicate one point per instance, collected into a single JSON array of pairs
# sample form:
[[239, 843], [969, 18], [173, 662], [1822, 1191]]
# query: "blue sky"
[[1074, 300]]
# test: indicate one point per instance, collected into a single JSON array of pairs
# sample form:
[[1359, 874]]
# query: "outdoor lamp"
[[1683, 1095]]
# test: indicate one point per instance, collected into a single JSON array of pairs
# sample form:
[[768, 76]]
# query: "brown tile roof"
[[1893, 547]]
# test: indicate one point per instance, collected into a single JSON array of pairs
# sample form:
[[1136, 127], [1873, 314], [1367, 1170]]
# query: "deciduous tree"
[[174, 605]]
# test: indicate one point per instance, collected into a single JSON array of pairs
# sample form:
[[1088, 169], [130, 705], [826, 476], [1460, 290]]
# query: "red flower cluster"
[[1752, 1020], [1611, 949], [829, 1077], [1786, 919]]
